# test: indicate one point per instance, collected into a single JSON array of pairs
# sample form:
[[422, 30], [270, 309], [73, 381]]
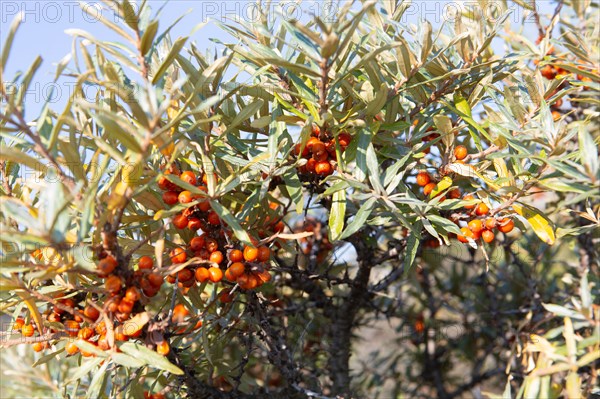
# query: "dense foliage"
[[363, 206]]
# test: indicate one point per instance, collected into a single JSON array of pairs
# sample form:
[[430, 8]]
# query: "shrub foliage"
[[362, 206]]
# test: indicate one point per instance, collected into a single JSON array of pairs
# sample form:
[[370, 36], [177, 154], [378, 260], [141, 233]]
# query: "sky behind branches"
[[45, 22]]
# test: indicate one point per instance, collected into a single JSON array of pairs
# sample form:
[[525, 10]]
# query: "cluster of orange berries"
[[195, 217], [319, 238], [320, 154], [157, 395], [483, 228], [424, 180], [248, 268], [476, 228]]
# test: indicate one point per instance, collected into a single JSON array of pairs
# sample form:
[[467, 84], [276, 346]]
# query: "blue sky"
[[45, 22]]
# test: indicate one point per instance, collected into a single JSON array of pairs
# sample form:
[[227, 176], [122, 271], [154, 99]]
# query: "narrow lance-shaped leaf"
[[360, 218], [338, 212]]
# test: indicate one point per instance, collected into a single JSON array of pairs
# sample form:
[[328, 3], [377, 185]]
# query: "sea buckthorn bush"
[[368, 205]]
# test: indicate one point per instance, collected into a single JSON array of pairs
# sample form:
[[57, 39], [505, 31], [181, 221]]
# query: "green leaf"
[[175, 49], [337, 214], [589, 153], [9, 39], [126, 360], [360, 218], [232, 221], [129, 15], [412, 246], [244, 114], [541, 225], [150, 357], [373, 167], [96, 386], [364, 139], [462, 104], [148, 37], [84, 369], [378, 102]]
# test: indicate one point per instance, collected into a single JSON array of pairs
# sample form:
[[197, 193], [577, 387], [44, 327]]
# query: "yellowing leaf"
[[441, 186], [541, 225], [136, 323]]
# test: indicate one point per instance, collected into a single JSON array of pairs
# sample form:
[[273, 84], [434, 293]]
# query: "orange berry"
[[185, 275], [180, 311], [216, 257], [155, 280], [113, 284], [120, 335], [215, 274], [194, 224], [242, 281], [72, 327], [490, 223], [125, 306], [112, 304], [205, 178], [253, 281], [467, 233], [235, 255], [85, 333], [170, 197], [549, 72], [323, 168], [311, 142], [556, 115], [145, 262], [460, 152], [38, 346], [188, 177], [225, 296], [102, 343], [19, 323], [482, 209], [423, 178], [506, 225], [107, 265], [197, 243], [476, 226], [163, 348], [202, 274], [344, 139], [298, 147], [454, 193], [264, 276], [178, 255], [487, 236], [211, 245], [469, 197], [311, 164], [71, 348], [185, 197], [132, 294], [264, 254], [27, 330], [204, 206], [213, 218], [236, 269], [318, 147], [100, 328], [180, 221], [250, 253], [428, 188]]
